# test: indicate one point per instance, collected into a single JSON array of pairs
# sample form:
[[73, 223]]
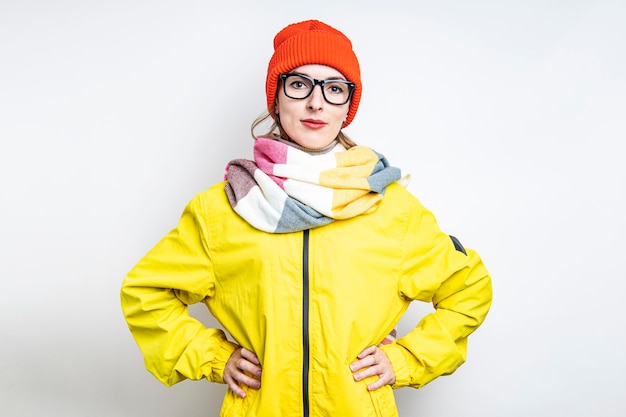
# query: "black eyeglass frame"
[[321, 83]]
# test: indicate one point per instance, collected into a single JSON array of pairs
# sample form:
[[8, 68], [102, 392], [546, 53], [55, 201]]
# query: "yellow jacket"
[[307, 303]]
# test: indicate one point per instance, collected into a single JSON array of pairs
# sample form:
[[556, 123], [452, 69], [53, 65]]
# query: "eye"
[[297, 84], [336, 88]]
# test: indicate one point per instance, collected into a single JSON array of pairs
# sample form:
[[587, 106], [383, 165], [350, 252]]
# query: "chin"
[[315, 144]]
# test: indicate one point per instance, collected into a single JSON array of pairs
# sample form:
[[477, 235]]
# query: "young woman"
[[307, 256]]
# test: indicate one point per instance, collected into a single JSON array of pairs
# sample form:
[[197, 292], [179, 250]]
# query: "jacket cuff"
[[399, 365], [222, 355]]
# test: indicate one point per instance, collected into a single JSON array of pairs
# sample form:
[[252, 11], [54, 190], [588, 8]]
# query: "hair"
[[276, 130]]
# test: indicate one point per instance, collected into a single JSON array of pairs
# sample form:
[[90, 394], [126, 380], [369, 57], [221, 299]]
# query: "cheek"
[[344, 115], [283, 108]]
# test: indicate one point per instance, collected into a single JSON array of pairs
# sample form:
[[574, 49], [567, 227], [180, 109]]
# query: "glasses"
[[299, 87]]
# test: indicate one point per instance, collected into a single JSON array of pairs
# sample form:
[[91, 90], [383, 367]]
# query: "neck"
[[319, 151]]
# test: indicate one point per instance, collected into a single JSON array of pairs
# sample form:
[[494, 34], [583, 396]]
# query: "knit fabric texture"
[[286, 189], [313, 42]]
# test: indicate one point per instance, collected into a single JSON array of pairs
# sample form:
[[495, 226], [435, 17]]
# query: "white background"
[[509, 115]]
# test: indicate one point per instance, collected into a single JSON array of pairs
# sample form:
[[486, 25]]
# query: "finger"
[[371, 371], [367, 351], [234, 386], [379, 383], [251, 356], [249, 367], [363, 365], [365, 362], [386, 375], [378, 369], [245, 373], [238, 378], [247, 381]]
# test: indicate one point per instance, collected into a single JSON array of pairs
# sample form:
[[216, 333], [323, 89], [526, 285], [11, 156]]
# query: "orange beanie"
[[313, 42]]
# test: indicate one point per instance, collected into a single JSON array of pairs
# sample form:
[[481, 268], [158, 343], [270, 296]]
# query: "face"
[[311, 122]]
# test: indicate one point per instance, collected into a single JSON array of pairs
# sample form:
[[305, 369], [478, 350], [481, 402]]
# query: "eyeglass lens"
[[300, 87]]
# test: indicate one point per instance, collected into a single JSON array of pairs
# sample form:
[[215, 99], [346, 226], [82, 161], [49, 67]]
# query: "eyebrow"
[[338, 78]]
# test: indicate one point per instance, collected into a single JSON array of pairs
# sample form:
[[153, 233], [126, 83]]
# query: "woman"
[[307, 256]]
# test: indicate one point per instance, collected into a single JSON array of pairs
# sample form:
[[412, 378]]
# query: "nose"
[[316, 99]]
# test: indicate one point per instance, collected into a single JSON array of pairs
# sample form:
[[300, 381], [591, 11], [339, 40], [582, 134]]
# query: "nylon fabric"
[[251, 281]]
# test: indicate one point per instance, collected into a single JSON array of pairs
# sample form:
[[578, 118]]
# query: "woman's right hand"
[[243, 367]]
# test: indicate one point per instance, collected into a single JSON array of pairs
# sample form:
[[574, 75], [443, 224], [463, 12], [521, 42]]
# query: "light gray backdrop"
[[510, 116]]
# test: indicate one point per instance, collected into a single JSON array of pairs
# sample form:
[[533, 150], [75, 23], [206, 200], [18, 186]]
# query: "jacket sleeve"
[[437, 269], [154, 298]]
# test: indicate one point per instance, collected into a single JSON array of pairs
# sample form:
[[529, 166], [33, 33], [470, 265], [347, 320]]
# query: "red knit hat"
[[313, 42]]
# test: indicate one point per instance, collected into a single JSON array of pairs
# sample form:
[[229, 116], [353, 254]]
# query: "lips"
[[313, 123]]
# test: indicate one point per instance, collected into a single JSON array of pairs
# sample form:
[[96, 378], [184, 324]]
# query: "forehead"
[[321, 72]]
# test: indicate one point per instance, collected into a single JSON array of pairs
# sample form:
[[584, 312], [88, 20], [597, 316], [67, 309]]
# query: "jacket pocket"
[[384, 402], [235, 406]]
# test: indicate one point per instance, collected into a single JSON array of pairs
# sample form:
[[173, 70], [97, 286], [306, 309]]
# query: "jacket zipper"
[[305, 322]]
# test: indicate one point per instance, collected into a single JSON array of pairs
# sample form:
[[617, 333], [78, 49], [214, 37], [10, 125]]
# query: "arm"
[[438, 270], [154, 298]]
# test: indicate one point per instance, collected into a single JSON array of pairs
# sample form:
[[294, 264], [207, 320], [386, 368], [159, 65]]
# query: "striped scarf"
[[286, 189]]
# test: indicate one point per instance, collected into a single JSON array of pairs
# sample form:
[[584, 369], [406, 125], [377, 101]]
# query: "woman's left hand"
[[373, 361]]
